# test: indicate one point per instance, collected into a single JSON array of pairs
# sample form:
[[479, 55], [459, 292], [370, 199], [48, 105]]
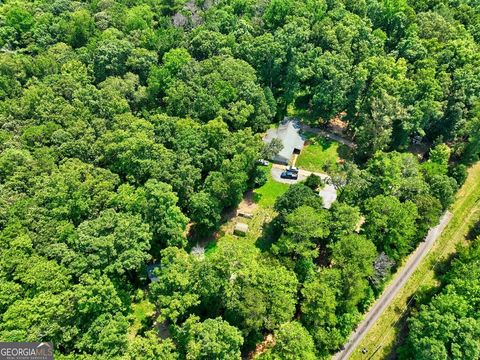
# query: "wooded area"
[[128, 127], [448, 326]]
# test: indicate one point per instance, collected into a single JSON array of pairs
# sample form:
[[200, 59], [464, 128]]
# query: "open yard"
[[262, 210], [266, 195], [387, 332], [320, 154]]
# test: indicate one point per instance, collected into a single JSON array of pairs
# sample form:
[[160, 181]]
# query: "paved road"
[[381, 304]]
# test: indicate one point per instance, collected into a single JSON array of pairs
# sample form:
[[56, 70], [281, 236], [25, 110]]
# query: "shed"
[[244, 214], [241, 229], [288, 132]]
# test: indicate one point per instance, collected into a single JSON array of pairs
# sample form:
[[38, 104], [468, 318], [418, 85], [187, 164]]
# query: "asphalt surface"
[[389, 294]]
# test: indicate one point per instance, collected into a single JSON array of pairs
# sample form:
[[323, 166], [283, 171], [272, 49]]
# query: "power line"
[[411, 298]]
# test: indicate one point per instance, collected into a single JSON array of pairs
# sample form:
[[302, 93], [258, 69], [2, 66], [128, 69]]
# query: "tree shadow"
[[474, 231], [270, 233], [324, 142], [344, 152]]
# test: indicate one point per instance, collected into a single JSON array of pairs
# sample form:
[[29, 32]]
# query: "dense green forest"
[[448, 326], [127, 127]]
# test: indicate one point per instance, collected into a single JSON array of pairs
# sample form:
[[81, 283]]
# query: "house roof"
[[289, 134]]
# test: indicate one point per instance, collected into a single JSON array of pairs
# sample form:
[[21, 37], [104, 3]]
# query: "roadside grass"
[[319, 155], [388, 331], [266, 195]]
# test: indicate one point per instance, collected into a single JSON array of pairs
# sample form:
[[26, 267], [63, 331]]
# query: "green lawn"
[[141, 313], [210, 248], [319, 155], [266, 195], [259, 231], [389, 329]]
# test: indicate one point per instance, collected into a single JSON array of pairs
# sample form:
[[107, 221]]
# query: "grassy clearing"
[[387, 331], [319, 155], [141, 313], [258, 225], [266, 195]]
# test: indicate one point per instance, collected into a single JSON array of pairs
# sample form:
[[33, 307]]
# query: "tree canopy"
[[448, 326], [129, 128]]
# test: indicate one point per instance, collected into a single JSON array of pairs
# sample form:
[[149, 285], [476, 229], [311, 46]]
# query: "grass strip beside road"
[[386, 332]]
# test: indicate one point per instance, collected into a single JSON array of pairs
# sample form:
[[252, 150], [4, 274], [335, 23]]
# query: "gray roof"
[[289, 133]]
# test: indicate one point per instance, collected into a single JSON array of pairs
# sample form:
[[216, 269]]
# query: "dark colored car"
[[289, 175]]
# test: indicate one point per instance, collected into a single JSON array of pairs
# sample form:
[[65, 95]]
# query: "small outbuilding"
[[244, 214], [241, 229], [288, 132]]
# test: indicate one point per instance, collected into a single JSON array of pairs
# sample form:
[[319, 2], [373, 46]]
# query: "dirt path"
[[248, 204], [389, 294], [328, 135]]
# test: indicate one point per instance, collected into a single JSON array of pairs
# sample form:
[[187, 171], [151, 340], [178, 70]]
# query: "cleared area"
[[328, 192]]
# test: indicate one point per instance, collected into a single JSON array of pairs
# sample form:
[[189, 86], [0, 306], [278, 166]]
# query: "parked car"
[[263, 162], [292, 169], [289, 175]]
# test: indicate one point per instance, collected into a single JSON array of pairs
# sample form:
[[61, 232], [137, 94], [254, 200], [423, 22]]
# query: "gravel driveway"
[[328, 192], [276, 174]]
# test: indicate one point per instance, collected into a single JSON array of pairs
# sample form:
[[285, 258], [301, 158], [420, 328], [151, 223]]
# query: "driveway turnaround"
[[388, 295], [328, 192]]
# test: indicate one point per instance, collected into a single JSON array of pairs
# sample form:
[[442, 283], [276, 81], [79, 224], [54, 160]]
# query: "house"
[[288, 132]]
